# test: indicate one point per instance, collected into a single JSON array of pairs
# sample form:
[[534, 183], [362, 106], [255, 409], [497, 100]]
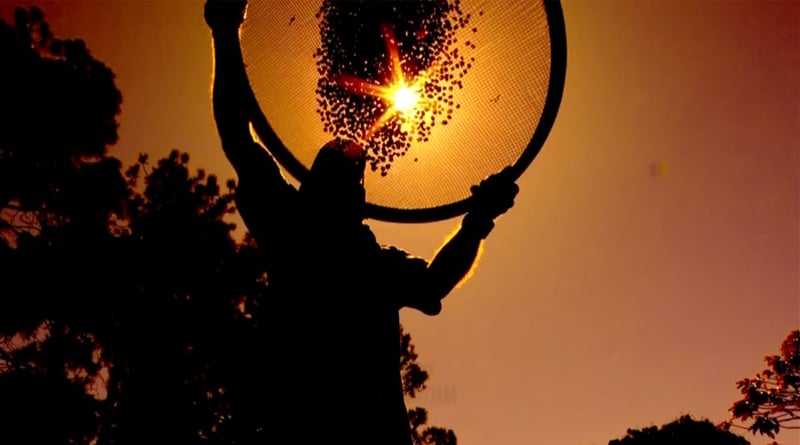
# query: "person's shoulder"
[[388, 253], [390, 250], [396, 254]]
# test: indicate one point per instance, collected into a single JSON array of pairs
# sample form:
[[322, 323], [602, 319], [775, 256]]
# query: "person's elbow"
[[432, 308], [429, 301], [236, 139]]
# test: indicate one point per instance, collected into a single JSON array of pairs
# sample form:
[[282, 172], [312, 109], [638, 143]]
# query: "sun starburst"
[[402, 96], [389, 94]]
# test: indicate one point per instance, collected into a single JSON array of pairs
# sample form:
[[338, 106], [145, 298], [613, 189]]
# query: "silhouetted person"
[[334, 320]]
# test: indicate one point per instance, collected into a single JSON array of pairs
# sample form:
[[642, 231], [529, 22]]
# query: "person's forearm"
[[232, 96], [454, 261], [234, 105]]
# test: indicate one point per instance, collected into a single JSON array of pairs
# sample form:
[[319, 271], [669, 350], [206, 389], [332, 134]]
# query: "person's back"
[[337, 318]]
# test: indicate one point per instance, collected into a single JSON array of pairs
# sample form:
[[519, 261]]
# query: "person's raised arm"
[[456, 258], [231, 92], [263, 194], [232, 97]]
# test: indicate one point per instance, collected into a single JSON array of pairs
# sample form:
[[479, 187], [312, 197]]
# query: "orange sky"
[[609, 297]]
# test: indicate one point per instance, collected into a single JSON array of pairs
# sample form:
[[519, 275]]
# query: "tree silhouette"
[[59, 110], [771, 399], [683, 431], [129, 313], [414, 378]]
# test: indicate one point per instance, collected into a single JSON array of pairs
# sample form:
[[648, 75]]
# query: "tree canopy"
[[130, 313], [683, 431], [771, 400]]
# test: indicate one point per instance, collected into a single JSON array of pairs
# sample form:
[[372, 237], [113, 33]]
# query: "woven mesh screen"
[[441, 93]]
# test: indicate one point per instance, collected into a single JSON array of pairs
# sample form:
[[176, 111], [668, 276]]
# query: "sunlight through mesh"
[[441, 93]]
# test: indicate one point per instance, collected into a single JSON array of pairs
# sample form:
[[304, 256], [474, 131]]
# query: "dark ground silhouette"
[[682, 431]]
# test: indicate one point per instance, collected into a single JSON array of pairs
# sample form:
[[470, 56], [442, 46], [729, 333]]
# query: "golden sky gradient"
[[651, 259]]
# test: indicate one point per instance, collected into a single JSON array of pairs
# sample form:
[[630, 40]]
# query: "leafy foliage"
[[59, 109], [129, 313], [771, 399], [683, 431], [132, 324], [414, 378]]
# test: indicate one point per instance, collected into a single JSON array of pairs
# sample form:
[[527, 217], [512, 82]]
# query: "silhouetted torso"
[[333, 323]]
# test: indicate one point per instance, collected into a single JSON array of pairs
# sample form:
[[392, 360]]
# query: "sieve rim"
[[555, 91]]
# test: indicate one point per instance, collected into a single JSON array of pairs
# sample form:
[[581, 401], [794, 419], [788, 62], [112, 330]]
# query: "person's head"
[[334, 187]]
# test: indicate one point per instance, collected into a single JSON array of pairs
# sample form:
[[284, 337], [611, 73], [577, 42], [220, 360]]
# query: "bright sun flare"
[[404, 98]]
